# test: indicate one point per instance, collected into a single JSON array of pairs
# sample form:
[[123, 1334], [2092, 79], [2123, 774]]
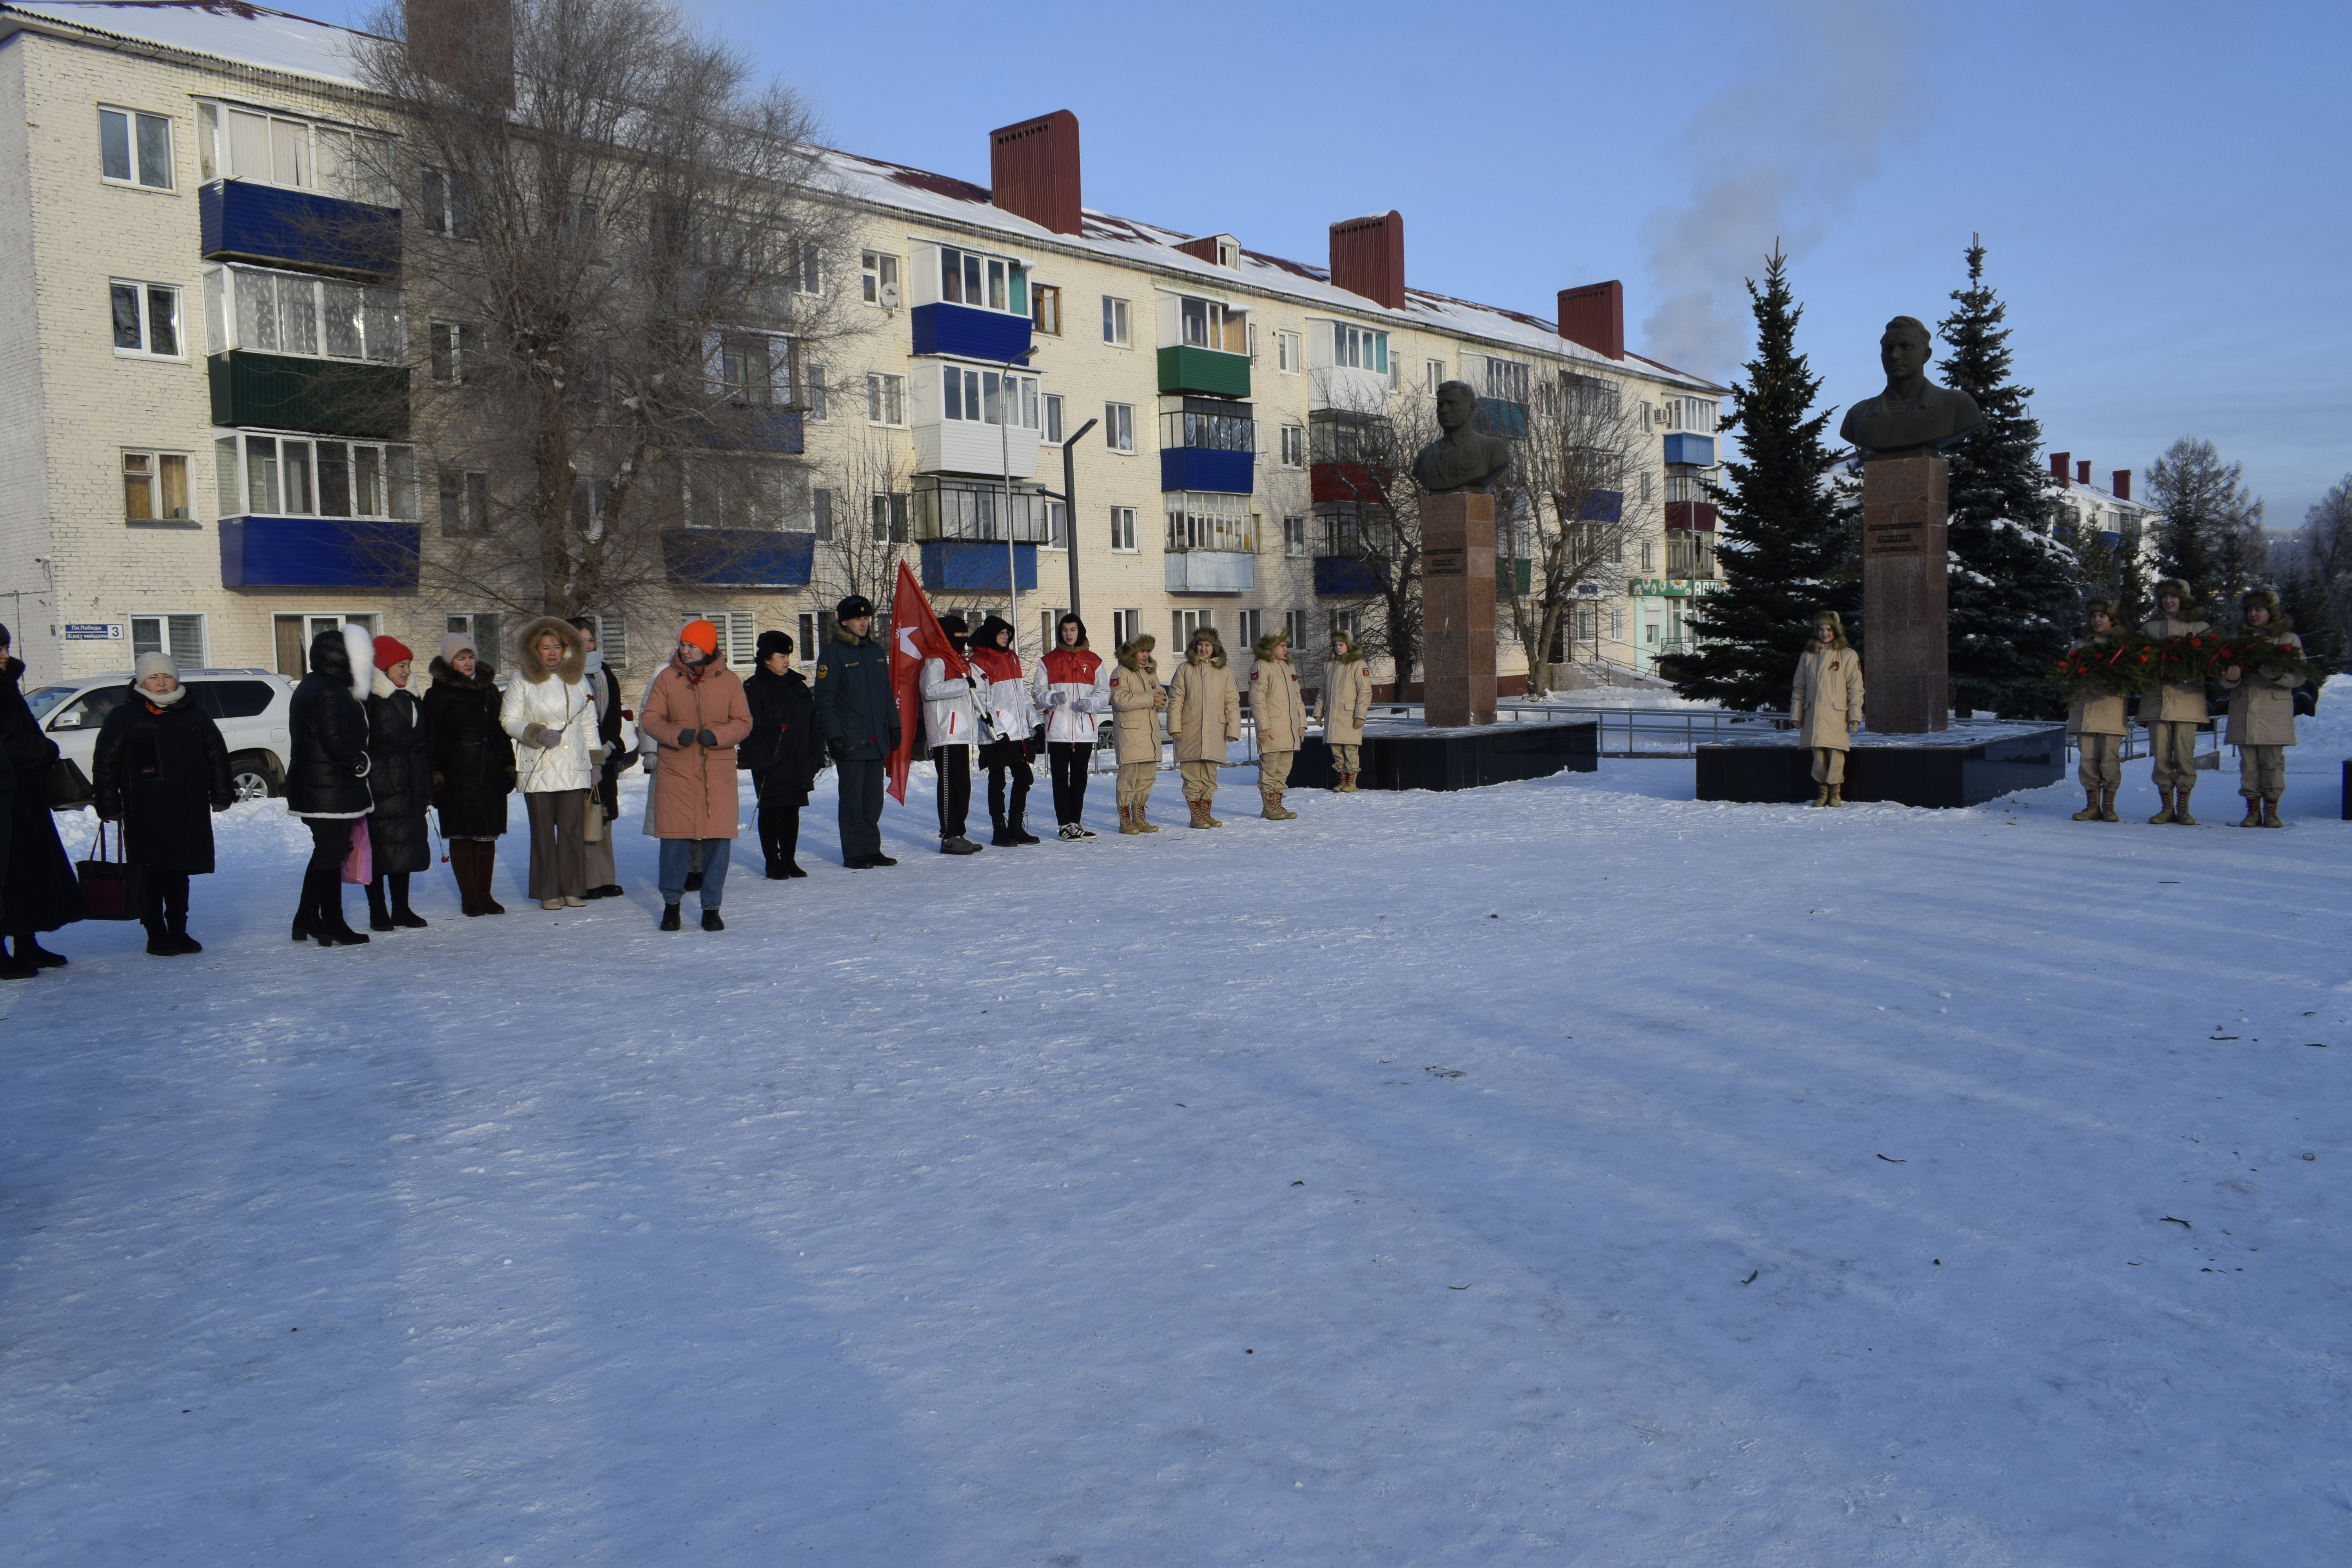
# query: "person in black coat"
[[39, 891], [603, 876], [859, 714], [325, 779], [783, 752], [473, 768], [161, 771], [400, 781]]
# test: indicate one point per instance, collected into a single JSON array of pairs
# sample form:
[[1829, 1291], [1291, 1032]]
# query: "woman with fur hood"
[[1825, 701], [2097, 723], [1009, 717], [1071, 684], [1204, 714], [2261, 709], [327, 772], [1137, 700], [697, 714], [2173, 713], [473, 768], [1345, 702], [1281, 717], [551, 715], [400, 781]]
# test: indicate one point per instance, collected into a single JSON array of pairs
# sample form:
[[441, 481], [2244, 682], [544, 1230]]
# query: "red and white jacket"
[[1084, 679], [1006, 712]]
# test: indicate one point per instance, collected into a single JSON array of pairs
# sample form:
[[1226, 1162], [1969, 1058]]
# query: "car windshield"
[[47, 698]]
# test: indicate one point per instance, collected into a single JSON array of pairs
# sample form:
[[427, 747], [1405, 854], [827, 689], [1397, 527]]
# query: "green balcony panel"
[[1209, 371], [281, 391], [1513, 577]]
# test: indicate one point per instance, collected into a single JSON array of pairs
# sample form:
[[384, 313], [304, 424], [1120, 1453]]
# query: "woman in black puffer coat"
[[400, 779], [161, 769], [40, 892], [326, 779], [783, 753], [473, 768]]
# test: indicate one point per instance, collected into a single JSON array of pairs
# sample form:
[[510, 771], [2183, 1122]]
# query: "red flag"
[[915, 635]]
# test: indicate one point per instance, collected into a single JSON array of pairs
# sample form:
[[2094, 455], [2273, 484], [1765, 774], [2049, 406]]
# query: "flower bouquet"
[[2116, 668]]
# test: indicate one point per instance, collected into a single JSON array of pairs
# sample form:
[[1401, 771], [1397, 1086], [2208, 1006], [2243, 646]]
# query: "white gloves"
[[545, 738], [1057, 699]]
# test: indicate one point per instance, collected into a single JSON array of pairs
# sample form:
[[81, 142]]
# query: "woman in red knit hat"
[[400, 782]]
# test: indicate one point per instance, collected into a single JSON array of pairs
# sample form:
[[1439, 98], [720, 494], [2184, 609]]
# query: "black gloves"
[[709, 737], [838, 748], [686, 737], [895, 734]]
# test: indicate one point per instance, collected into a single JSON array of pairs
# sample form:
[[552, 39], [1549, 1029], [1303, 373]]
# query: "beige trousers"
[[2174, 746], [1829, 765], [1199, 780], [1135, 781], [2262, 771], [2100, 764], [1274, 771], [1344, 759], [559, 867]]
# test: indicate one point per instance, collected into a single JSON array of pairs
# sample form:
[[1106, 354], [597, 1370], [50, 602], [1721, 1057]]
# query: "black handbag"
[[112, 889], [68, 786]]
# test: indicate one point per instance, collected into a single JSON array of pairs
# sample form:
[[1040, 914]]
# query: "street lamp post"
[[1009, 409], [1070, 502]]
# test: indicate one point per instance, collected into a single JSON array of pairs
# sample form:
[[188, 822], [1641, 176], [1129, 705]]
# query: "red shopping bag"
[[359, 866], [111, 888]]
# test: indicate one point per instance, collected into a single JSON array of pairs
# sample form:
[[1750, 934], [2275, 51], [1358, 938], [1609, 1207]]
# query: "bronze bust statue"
[[1461, 460], [1913, 417]]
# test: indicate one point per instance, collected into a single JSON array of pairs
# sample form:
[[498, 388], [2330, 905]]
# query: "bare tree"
[[865, 534], [1565, 498], [1369, 523], [615, 264]]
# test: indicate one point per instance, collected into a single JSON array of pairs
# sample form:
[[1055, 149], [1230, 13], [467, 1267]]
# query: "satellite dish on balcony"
[[889, 296]]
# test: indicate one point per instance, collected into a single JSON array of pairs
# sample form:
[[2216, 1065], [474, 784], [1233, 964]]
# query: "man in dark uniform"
[[860, 715]]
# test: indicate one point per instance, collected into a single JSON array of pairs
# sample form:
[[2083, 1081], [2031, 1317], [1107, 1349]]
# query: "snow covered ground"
[[1567, 1173]]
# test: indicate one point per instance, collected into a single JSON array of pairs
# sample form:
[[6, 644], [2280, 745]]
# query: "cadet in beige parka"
[[2261, 711], [2172, 714], [1281, 715], [1204, 714], [1825, 700], [2097, 723], [1345, 702], [1137, 700]]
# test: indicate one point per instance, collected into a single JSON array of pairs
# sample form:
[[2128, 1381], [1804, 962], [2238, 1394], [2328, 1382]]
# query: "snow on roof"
[[259, 37]]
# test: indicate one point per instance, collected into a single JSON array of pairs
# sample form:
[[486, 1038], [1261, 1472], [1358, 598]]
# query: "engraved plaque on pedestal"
[[1905, 594], [1457, 610]]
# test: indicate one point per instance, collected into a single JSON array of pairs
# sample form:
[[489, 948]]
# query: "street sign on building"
[[93, 631]]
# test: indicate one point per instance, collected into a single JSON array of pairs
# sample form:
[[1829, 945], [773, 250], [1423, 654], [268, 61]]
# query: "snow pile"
[[1567, 1172]]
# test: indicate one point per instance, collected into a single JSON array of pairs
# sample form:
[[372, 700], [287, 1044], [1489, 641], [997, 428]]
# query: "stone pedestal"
[[1905, 594], [1457, 610]]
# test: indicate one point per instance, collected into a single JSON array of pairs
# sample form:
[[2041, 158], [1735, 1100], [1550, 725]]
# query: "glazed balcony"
[[373, 553], [1209, 445], [1210, 372], [333, 397], [1345, 577], [738, 557], [967, 566], [239, 220], [969, 331], [1695, 451]]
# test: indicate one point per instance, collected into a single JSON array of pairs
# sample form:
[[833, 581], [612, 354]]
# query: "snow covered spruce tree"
[[2211, 533], [2016, 586], [1789, 547]]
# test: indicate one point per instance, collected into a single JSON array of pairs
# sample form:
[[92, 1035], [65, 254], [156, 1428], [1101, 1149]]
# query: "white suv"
[[249, 705]]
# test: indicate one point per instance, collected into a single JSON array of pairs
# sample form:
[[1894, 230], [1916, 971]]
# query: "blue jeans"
[[674, 853]]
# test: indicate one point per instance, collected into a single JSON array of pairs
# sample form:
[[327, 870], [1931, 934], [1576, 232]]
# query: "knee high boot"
[[379, 917], [402, 915], [485, 863]]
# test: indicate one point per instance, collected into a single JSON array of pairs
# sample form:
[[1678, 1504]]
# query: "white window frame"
[[352, 150], [454, 341], [144, 296], [886, 394], [396, 479], [813, 400], [739, 635], [1052, 425], [1433, 375], [1294, 626], [1360, 348], [966, 392], [1118, 428], [162, 620], [991, 270], [1122, 530], [1186, 625], [1347, 621], [1126, 625], [1285, 352], [1297, 536], [155, 458], [1118, 321], [132, 122], [808, 277], [880, 275], [1293, 445], [375, 311], [471, 493], [448, 211]]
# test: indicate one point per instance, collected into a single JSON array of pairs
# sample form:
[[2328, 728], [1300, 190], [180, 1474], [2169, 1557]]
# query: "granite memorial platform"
[[1957, 767], [1413, 757]]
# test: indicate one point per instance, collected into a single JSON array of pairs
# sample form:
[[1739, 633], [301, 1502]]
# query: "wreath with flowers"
[[2110, 667], [2260, 653]]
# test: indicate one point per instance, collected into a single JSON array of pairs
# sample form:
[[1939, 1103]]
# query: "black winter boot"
[[402, 915], [1004, 839], [159, 941], [1021, 834], [379, 917], [669, 917]]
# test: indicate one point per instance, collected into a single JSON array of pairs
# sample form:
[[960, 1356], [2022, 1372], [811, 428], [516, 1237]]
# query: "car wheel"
[[248, 778]]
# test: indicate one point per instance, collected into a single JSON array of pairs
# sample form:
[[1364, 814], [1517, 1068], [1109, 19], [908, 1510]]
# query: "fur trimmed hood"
[[346, 655], [575, 651], [1067, 620], [1355, 649], [1837, 644], [1137, 655], [483, 678], [2280, 621], [1217, 643], [1268, 643], [2179, 590]]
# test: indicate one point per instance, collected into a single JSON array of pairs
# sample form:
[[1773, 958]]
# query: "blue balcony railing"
[[1696, 450], [738, 557], [1206, 468], [1345, 577], [975, 566], [318, 553], [969, 333], [240, 221]]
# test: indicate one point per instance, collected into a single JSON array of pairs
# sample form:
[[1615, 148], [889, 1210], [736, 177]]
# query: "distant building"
[[2096, 517]]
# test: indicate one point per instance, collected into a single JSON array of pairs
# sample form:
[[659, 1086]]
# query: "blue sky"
[[2153, 180]]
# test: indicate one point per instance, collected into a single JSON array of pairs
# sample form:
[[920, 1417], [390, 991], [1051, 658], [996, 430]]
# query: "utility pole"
[[1070, 504]]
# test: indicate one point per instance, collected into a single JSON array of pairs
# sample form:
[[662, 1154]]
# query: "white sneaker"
[[1071, 833], [1084, 831]]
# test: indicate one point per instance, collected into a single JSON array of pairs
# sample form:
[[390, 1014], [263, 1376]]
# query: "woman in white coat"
[[1825, 702], [1010, 721], [551, 714], [1071, 685], [950, 727]]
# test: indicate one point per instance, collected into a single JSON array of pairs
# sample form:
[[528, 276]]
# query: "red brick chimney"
[[467, 45], [2082, 472], [1594, 316], [2058, 466], [1033, 171], [1368, 257], [2122, 487]]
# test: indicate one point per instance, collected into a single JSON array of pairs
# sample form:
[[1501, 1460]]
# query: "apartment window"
[[1295, 536], [135, 149], [879, 279], [1294, 626], [270, 148], [1293, 445], [1645, 485], [146, 319], [1118, 426], [820, 514], [1053, 417], [988, 396], [296, 476], [1697, 414], [1360, 348], [1183, 624], [1617, 625], [885, 399], [811, 268], [182, 637], [1285, 352], [985, 282], [155, 486], [1115, 328], [812, 391], [1250, 627], [1433, 375], [1211, 324], [1649, 556], [1126, 625], [739, 635], [1208, 520], [447, 209], [1122, 529], [1046, 310], [1343, 624], [750, 369], [886, 518], [466, 501], [296, 314], [457, 349], [591, 497], [1506, 379], [1058, 531], [611, 640], [1589, 394]]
